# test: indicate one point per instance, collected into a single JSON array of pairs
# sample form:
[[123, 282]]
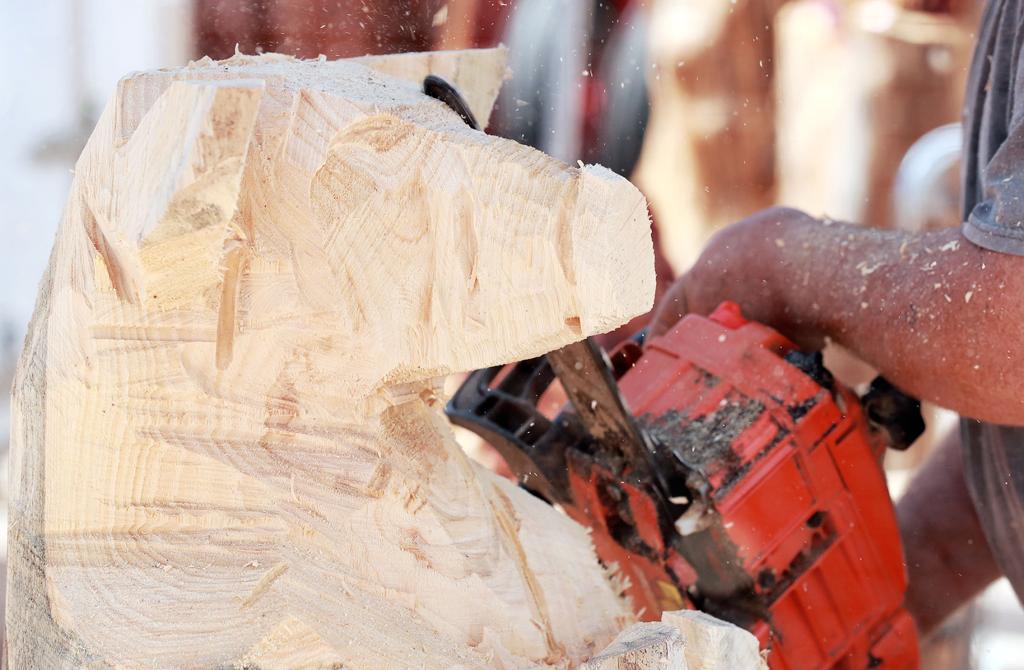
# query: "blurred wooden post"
[[308, 28], [345, 28], [857, 86], [709, 152]]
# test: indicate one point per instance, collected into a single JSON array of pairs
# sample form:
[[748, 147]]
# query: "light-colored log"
[[643, 646], [713, 644], [682, 640], [227, 446]]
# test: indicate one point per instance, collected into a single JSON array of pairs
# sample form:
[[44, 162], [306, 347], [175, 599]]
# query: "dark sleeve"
[[996, 219], [994, 472], [996, 222]]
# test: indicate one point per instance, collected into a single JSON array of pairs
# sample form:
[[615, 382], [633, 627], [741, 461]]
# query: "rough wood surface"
[[682, 640], [643, 646], [227, 443], [713, 644]]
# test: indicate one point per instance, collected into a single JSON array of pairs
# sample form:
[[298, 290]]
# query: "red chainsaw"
[[720, 468]]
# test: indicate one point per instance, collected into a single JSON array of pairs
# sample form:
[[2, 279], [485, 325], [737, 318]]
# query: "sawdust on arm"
[[938, 315]]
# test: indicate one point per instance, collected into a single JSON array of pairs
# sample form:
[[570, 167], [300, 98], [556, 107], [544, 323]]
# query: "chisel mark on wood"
[[153, 333], [228, 308], [505, 515], [121, 278], [264, 584]]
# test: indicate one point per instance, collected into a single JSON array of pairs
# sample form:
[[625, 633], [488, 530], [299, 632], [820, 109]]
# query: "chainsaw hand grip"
[[893, 412]]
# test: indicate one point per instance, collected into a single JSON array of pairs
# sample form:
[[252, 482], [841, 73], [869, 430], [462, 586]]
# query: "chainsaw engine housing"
[[785, 469]]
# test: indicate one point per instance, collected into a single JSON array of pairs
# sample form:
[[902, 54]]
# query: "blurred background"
[[714, 108]]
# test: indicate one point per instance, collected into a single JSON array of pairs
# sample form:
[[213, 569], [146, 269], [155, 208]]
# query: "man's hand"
[[938, 316], [741, 263]]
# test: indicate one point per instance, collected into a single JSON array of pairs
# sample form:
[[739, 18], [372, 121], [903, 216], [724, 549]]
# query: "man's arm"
[[939, 316], [948, 559]]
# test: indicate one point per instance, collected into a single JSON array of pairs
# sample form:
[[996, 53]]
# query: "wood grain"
[[227, 444]]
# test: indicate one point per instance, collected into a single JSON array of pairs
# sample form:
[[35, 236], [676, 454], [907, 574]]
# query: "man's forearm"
[[948, 558], [939, 316]]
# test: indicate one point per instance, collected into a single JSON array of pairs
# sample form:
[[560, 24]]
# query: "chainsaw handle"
[[890, 411], [894, 413]]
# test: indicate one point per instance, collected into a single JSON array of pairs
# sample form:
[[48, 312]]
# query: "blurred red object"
[[345, 28]]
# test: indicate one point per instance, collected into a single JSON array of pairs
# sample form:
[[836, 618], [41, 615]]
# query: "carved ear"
[[476, 73], [179, 173]]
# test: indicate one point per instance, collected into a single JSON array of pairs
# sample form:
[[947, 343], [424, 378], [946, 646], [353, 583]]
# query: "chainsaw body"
[[756, 492]]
